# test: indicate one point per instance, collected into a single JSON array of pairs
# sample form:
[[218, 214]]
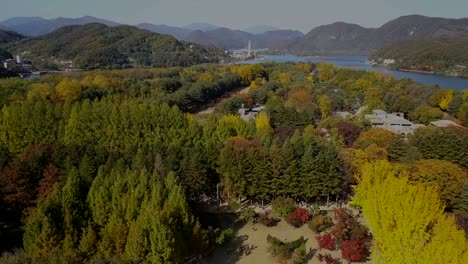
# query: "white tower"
[[249, 50]]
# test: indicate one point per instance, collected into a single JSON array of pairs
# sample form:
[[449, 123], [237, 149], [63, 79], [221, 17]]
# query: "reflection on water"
[[362, 63]]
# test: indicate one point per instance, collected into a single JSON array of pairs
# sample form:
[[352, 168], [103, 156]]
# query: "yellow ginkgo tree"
[[407, 220]]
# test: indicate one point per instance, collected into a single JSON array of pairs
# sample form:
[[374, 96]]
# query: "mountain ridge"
[[347, 38], [41, 26], [96, 45], [334, 38]]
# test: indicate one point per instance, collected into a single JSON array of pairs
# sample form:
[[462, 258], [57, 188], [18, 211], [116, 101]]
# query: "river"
[[362, 63]]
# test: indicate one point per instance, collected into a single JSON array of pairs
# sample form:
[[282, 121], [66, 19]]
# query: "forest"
[[95, 46], [108, 166], [442, 56]]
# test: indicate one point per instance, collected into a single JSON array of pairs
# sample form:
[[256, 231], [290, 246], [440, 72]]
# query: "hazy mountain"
[[260, 29], [15, 21], [38, 26], [236, 39], [420, 27], [338, 37], [96, 45], [9, 36], [221, 38], [201, 26], [344, 38], [176, 32]]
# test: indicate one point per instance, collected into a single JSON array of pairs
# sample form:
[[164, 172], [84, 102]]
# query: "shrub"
[[283, 206], [347, 227], [266, 220], [299, 255], [299, 217], [292, 220], [282, 249], [354, 250], [248, 214], [223, 236], [320, 223], [327, 258], [302, 214], [326, 241]]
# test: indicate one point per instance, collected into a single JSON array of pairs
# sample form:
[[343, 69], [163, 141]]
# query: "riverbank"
[[363, 63]]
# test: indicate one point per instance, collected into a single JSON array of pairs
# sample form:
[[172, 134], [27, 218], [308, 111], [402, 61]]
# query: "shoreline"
[[421, 71]]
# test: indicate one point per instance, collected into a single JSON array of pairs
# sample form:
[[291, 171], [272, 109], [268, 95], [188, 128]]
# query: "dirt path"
[[240, 90], [256, 234]]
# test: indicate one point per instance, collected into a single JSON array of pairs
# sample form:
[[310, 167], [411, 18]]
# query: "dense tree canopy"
[[107, 165]]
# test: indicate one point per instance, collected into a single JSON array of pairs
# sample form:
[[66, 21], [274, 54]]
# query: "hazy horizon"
[[297, 14]]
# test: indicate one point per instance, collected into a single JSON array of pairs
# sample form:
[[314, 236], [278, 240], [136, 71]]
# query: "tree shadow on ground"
[[234, 249]]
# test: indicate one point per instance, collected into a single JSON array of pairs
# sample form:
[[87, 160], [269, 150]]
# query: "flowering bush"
[[320, 223], [354, 250], [302, 214], [299, 217], [347, 227], [266, 219], [326, 241]]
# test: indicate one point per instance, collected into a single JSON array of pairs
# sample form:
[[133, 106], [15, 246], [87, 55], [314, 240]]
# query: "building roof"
[[394, 119], [444, 123], [342, 114], [379, 112], [258, 108]]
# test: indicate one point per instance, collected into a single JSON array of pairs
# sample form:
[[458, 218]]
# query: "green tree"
[[446, 177], [68, 90], [325, 106]]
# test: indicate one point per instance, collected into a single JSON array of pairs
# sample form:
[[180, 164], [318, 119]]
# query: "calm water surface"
[[362, 63]]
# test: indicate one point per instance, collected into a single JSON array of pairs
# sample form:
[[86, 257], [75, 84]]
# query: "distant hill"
[[15, 21], [9, 36], [201, 26], [344, 38], [97, 46], [236, 39], [338, 37], [4, 55], [442, 56], [260, 29], [221, 38], [176, 32], [335, 38], [35, 26]]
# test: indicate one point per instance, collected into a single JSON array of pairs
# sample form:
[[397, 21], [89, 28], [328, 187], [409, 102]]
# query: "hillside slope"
[[237, 39], [177, 32], [442, 56], [35, 26], [9, 36], [344, 38], [96, 46]]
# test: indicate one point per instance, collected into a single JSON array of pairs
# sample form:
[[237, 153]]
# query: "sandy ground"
[[242, 90], [255, 234]]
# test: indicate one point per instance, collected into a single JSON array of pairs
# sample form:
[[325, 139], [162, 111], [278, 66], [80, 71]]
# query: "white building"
[[19, 59], [395, 123], [9, 64], [251, 113]]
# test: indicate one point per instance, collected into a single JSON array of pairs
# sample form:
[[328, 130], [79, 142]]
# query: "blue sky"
[[295, 14]]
